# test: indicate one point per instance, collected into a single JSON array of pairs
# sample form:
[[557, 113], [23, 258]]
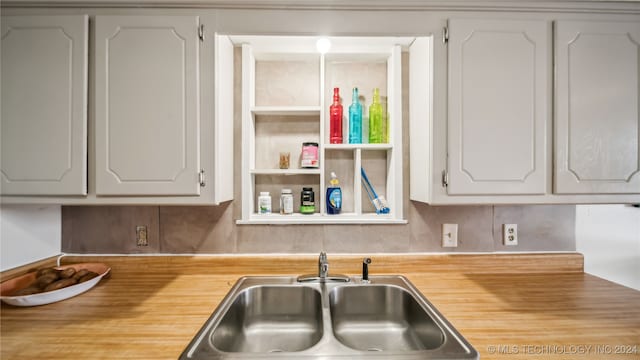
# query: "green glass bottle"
[[375, 119]]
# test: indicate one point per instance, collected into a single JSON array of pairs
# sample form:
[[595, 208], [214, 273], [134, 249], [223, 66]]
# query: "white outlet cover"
[[449, 235], [510, 234]]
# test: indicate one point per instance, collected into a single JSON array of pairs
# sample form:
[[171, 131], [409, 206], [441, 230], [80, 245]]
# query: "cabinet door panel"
[[499, 76], [597, 119], [147, 118], [44, 105]]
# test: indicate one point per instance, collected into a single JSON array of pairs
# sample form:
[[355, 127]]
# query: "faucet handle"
[[324, 268]]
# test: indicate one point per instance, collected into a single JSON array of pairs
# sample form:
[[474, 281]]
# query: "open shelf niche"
[[287, 88]]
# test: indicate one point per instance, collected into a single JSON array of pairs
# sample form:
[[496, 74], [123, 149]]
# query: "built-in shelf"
[[286, 171], [317, 218], [286, 110], [358, 146], [287, 88]]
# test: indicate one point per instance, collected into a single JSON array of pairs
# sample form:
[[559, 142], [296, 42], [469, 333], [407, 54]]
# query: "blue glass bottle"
[[355, 119]]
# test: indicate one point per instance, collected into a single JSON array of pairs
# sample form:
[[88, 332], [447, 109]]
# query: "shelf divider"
[[358, 146], [318, 218], [285, 171], [357, 181], [286, 110]]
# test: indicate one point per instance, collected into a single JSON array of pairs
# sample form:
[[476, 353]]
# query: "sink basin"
[[382, 318], [281, 318], [270, 319]]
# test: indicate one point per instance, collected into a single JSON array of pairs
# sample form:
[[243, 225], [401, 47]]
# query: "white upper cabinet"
[[500, 140], [44, 105], [597, 128], [147, 105], [499, 106]]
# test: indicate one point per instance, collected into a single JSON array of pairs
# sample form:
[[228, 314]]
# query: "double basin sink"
[[281, 318]]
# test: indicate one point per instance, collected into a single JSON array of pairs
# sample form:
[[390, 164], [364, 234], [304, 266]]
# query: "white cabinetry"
[[149, 139], [597, 125], [505, 143], [147, 105], [499, 106], [44, 105], [287, 90]]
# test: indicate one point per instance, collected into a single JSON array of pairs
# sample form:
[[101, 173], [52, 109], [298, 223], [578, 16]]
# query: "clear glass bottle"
[[355, 119], [335, 119], [375, 119]]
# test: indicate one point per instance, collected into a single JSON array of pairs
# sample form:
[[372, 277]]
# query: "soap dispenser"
[[334, 196]]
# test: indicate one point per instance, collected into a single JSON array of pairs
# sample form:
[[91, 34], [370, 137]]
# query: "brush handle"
[[366, 179], [368, 190]]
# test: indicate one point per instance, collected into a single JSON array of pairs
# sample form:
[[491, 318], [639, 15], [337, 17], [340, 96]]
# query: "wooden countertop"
[[507, 306]]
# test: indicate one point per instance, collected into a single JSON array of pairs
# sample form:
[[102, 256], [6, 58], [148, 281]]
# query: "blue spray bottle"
[[334, 196]]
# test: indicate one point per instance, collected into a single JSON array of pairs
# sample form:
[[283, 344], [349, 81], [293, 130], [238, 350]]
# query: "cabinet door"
[[597, 129], [147, 99], [44, 105], [499, 96]]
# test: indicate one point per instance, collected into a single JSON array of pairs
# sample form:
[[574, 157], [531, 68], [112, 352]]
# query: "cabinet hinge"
[[201, 178], [201, 32], [445, 35], [445, 178]]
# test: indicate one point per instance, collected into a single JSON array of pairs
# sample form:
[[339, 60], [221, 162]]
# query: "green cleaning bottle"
[[376, 128]]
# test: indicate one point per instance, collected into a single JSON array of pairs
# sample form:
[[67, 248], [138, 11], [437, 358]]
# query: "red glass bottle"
[[335, 119]]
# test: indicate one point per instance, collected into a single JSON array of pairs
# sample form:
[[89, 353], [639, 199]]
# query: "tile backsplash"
[[212, 229]]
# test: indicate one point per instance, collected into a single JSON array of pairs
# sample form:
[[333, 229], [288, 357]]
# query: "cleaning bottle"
[[335, 119], [375, 119], [334, 196], [355, 119]]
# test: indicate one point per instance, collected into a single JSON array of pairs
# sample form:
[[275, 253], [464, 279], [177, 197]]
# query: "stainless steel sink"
[[281, 318], [382, 318], [270, 319]]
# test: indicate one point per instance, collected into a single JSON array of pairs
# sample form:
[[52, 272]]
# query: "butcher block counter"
[[523, 306]]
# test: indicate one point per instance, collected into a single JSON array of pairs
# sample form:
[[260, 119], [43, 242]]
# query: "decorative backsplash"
[[212, 230]]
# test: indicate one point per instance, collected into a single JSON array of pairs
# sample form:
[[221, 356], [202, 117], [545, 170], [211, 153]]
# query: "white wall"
[[609, 238], [28, 233]]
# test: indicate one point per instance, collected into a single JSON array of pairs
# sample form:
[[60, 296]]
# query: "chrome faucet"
[[323, 272], [323, 266]]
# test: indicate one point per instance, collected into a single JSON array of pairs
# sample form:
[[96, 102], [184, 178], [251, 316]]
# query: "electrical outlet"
[[510, 234], [449, 235], [141, 236]]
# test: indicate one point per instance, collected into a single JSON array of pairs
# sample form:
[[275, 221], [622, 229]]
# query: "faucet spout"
[[323, 266], [323, 272]]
